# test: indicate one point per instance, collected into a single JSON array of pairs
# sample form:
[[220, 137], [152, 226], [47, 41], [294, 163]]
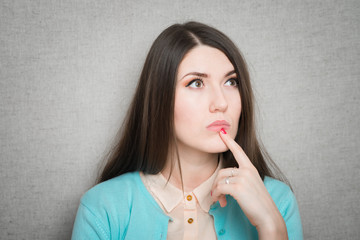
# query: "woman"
[[188, 164]]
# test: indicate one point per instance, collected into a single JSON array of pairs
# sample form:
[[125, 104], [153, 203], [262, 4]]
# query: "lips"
[[218, 125]]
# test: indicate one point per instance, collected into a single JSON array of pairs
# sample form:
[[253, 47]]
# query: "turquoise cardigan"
[[122, 208]]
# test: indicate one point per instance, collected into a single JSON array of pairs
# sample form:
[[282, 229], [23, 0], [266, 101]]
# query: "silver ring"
[[227, 180]]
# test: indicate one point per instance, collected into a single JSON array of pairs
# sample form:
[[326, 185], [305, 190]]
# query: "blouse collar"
[[170, 196]]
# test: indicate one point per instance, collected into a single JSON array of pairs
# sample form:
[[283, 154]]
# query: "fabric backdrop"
[[69, 69]]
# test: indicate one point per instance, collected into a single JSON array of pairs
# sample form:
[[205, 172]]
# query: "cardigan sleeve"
[[88, 226], [286, 203], [290, 211]]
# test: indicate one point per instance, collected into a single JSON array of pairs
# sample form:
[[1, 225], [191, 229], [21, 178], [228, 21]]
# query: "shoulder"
[[122, 181], [281, 193], [105, 209], [276, 188], [120, 189], [285, 201]]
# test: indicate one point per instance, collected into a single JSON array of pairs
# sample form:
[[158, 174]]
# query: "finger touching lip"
[[216, 126]]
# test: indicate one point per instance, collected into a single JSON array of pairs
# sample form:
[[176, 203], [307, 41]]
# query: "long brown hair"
[[147, 133]]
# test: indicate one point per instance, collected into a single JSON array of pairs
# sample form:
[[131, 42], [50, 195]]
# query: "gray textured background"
[[69, 68]]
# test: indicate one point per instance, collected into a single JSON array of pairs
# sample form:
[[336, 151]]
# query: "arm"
[[88, 226], [289, 210]]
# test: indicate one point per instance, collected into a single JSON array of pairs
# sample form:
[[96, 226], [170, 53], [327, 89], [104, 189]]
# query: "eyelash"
[[235, 80], [202, 82], [192, 81]]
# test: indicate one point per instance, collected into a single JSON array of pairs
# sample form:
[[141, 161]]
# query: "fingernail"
[[223, 131], [211, 193]]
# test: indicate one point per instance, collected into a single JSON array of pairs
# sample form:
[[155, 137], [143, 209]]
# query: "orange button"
[[189, 197], [190, 220]]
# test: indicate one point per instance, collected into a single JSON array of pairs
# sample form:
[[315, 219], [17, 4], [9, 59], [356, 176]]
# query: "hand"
[[246, 186]]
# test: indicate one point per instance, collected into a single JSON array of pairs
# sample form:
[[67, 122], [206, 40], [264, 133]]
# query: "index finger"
[[239, 154]]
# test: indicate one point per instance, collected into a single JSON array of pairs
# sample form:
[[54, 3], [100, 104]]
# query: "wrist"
[[274, 230]]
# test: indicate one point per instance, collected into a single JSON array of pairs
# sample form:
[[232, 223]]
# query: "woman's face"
[[207, 99]]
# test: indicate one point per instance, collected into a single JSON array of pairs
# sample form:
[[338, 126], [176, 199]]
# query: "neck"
[[195, 169]]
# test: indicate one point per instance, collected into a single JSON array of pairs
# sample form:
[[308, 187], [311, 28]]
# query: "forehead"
[[205, 59]]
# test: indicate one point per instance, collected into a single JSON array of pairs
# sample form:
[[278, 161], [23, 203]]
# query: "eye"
[[232, 82], [196, 83]]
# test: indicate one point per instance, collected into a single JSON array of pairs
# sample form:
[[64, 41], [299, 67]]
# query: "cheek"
[[188, 113], [235, 110], [185, 114]]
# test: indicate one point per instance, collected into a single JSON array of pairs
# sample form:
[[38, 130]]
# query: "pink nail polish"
[[223, 131]]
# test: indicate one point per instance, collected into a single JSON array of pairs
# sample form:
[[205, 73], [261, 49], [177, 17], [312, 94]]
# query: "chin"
[[218, 147]]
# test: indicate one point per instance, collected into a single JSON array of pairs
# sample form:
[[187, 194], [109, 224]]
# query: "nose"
[[218, 101]]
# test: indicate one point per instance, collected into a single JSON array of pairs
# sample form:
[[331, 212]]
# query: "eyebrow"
[[230, 73], [204, 75]]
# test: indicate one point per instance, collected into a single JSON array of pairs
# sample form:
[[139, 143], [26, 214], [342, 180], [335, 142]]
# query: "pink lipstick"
[[218, 125]]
